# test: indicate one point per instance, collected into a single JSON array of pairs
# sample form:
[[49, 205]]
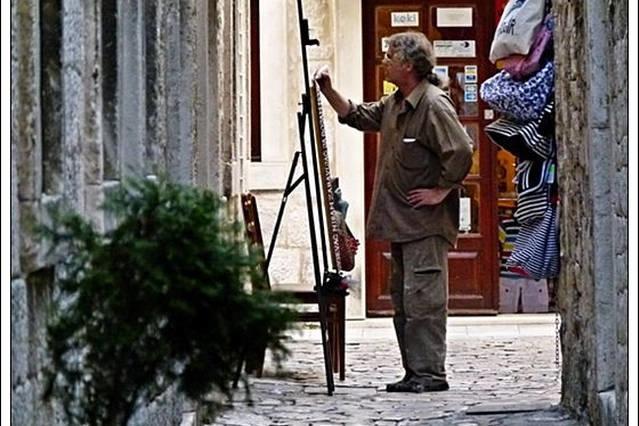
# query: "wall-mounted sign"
[[441, 70], [470, 93], [465, 223], [454, 48], [454, 17], [470, 74], [404, 19], [385, 44]]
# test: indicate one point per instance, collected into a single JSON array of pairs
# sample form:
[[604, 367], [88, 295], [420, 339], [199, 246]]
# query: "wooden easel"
[[328, 292]]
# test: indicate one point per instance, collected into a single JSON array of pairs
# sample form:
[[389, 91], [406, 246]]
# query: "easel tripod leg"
[[326, 343]]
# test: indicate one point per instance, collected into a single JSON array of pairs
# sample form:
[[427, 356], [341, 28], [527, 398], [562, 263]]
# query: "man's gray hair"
[[414, 47]]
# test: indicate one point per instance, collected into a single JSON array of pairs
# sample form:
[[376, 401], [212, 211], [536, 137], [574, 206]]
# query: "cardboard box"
[[534, 296], [509, 294]]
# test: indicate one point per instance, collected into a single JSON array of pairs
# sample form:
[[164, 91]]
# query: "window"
[[256, 146], [51, 95], [109, 58]]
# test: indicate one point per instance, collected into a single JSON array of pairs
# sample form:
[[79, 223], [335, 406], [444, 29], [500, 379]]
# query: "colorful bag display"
[[530, 141], [521, 101], [523, 94], [537, 247], [521, 67], [517, 28]]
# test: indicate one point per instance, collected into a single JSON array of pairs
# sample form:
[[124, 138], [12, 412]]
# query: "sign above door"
[[454, 17], [404, 19]]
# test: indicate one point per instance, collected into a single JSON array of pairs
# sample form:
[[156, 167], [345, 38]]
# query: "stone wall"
[[590, 54], [575, 290], [618, 98], [101, 90]]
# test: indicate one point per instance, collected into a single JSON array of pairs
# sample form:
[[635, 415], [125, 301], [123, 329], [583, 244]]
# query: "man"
[[424, 155]]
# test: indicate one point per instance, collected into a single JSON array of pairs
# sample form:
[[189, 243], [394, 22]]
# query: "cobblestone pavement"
[[503, 380]]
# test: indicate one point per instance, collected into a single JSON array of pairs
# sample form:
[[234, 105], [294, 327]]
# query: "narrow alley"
[[488, 142], [502, 371]]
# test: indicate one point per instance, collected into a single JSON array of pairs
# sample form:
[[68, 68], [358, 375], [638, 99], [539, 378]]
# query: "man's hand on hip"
[[427, 196]]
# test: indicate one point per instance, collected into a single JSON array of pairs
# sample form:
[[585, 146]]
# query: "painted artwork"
[[342, 243]]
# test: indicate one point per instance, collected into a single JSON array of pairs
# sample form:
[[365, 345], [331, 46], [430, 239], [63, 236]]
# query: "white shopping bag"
[[517, 28]]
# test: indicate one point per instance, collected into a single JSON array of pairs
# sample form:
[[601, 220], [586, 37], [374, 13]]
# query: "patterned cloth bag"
[[517, 28], [521, 67], [527, 141], [347, 242], [537, 247], [520, 101], [534, 179]]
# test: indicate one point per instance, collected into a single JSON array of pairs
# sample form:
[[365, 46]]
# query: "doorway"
[[461, 33]]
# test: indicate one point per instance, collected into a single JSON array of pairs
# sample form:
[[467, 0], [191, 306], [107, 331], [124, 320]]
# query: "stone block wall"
[[101, 90], [591, 99], [617, 58], [575, 292]]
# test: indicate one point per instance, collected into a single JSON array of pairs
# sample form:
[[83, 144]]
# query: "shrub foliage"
[[156, 301]]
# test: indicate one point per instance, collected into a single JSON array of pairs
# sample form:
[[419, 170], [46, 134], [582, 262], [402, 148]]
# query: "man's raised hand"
[[323, 78]]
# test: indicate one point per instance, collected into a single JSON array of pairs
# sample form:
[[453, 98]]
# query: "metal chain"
[[557, 363]]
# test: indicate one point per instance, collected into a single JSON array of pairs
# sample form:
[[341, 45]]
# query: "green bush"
[[158, 300]]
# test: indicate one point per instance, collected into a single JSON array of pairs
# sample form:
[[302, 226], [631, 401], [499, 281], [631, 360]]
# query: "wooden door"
[[461, 32]]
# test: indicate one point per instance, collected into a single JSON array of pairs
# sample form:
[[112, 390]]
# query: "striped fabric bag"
[[537, 247], [534, 179], [526, 141]]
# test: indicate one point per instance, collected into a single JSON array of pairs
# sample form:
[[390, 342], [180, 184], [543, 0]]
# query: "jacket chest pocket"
[[411, 154]]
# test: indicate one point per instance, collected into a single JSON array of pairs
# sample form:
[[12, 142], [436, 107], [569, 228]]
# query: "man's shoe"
[[436, 386], [415, 385], [399, 386]]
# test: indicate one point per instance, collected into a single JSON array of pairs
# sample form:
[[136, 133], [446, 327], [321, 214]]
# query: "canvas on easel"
[[342, 243]]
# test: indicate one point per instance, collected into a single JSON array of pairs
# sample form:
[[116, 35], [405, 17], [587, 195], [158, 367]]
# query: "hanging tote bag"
[[534, 179], [517, 28], [521, 67], [520, 101], [537, 247], [526, 141]]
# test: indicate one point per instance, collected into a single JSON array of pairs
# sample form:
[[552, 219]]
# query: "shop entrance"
[[461, 33]]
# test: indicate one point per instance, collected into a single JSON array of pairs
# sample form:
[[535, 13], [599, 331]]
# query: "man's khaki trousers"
[[419, 291]]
